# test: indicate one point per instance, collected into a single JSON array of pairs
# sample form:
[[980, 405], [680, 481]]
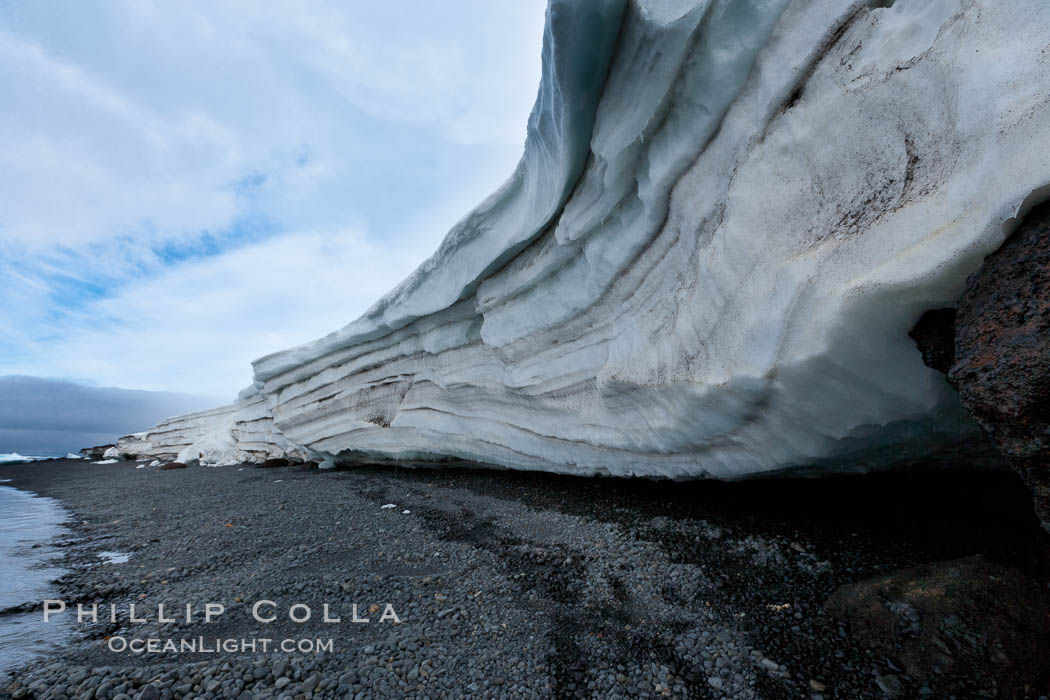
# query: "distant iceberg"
[[15, 458]]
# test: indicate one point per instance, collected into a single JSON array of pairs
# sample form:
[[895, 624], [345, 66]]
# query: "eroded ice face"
[[727, 218]]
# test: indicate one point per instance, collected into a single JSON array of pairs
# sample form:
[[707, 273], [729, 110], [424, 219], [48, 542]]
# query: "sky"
[[187, 186]]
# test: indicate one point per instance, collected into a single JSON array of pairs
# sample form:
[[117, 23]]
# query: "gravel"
[[506, 585]]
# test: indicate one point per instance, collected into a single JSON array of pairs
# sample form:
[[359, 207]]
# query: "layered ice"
[[728, 215], [240, 432]]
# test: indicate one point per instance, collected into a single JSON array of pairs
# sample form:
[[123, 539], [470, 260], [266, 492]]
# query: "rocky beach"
[[520, 584]]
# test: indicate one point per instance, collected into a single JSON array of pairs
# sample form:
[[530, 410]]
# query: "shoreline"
[[516, 583], [30, 526]]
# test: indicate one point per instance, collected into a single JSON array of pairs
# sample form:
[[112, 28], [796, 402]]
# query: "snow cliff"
[[728, 215]]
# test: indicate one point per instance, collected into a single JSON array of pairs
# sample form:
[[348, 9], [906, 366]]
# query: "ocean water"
[[28, 563]]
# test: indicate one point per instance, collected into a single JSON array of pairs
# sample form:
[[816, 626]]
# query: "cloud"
[[144, 119], [187, 186], [41, 416], [198, 325]]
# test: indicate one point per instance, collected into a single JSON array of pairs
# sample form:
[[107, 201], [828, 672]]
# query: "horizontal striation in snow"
[[240, 432], [728, 216]]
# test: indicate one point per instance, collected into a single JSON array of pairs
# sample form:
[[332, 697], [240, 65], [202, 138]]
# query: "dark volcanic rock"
[[1002, 351], [173, 465], [95, 453], [968, 626], [934, 334], [274, 462]]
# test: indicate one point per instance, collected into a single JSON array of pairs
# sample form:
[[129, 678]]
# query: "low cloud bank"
[[52, 416]]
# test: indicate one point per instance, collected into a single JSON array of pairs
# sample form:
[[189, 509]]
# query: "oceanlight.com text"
[[205, 645]]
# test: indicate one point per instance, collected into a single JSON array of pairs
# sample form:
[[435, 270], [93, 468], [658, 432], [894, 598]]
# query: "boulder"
[[172, 465], [968, 627], [1001, 365], [95, 453]]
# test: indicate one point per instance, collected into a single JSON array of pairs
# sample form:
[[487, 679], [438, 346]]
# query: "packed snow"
[[726, 220]]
